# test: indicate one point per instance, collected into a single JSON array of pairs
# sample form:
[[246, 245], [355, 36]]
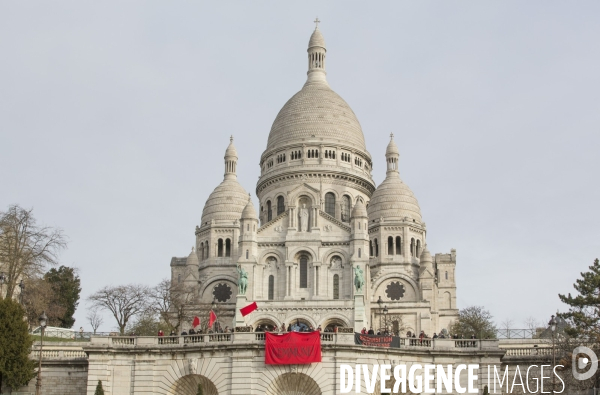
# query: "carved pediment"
[[330, 224]]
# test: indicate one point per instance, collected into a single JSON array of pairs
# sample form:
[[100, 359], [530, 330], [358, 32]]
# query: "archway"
[[264, 325], [188, 385], [330, 324], [293, 384], [300, 324]]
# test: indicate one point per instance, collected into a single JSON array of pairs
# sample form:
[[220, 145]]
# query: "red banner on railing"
[[293, 348]]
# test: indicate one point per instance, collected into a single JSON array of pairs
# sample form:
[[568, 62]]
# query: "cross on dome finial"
[[391, 136], [231, 138], [317, 21]]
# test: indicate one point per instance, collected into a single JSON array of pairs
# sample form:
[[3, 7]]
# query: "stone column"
[[240, 302]]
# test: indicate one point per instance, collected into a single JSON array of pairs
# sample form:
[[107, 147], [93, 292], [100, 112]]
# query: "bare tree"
[[174, 303], [123, 301], [95, 319], [532, 324], [39, 296], [26, 248]]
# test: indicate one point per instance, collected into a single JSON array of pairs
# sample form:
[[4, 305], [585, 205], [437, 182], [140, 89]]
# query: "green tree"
[[474, 320], [583, 317], [16, 369], [99, 389], [67, 287], [200, 392]]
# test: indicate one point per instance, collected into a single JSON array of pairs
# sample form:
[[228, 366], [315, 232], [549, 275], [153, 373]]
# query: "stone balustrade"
[[327, 338]]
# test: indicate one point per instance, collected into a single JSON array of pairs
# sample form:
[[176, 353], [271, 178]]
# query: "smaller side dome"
[[249, 211], [192, 259], [426, 256], [316, 39], [359, 210]]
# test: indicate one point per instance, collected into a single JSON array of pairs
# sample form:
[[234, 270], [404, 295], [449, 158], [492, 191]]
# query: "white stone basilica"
[[326, 247]]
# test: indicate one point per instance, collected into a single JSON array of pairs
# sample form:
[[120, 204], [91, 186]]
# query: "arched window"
[[446, 275], [376, 248], [330, 204], [370, 248], [247, 254], [269, 213], [280, 205], [271, 287], [336, 286], [179, 277], [390, 245], [207, 256], [359, 252], [228, 247], [303, 272], [418, 248], [345, 208], [220, 247], [201, 251], [398, 245], [412, 247]]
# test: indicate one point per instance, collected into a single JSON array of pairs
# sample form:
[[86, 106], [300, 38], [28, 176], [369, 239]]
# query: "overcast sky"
[[114, 117]]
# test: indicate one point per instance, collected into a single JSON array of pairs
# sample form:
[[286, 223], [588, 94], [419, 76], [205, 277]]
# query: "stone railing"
[[327, 338], [58, 351], [528, 351]]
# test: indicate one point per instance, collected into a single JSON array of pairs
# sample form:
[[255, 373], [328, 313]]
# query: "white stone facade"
[[321, 218]]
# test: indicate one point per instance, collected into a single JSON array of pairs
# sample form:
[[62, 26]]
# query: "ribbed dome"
[[316, 39], [393, 200], [226, 202], [315, 113], [392, 148], [231, 151], [249, 211], [359, 210]]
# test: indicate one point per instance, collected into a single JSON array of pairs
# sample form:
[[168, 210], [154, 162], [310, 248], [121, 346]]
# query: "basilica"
[[326, 246]]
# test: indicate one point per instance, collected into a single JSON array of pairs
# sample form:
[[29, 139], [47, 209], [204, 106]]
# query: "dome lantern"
[[391, 156], [230, 160], [316, 56]]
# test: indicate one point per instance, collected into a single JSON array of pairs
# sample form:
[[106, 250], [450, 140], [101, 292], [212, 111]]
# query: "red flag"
[[196, 322], [248, 309], [292, 348], [212, 319]]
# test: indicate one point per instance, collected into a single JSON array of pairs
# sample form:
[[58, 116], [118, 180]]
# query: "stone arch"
[[266, 319], [335, 251], [396, 275], [188, 385], [216, 279], [296, 252], [303, 318], [271, 252], [294, 384], [303, 191], [335, 319]]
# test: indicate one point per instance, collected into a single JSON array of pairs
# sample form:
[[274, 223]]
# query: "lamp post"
[[38, 385], [552, 324], [2, 280], [22, 286], [379, 303], [385, 312]]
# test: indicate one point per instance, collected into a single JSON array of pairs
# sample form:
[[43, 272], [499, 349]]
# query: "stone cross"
[[317, 21]]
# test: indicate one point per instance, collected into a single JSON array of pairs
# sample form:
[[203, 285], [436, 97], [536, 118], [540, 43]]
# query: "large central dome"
[[316, 112]]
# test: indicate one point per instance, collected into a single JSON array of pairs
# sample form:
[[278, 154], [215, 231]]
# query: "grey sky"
[[114, 117]]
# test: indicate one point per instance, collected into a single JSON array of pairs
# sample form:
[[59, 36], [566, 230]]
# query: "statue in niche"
[[303, 218], [336, 262], [359, 279], [242, 280]]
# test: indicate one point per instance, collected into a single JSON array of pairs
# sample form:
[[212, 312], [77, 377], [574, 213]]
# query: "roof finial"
[[317, 21], [231, 138], [391, 136]]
